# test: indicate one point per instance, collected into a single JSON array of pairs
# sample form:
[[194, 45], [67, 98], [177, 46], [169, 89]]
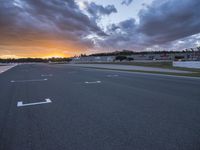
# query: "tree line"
[[30, 60], [128, 52]]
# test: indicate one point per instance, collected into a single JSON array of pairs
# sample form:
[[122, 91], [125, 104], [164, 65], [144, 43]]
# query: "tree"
[[120, 58], [130, 59]]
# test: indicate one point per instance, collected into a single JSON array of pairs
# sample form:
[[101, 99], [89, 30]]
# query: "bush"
[[120, 58]]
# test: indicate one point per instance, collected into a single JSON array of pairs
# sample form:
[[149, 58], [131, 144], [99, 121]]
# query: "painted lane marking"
[[46, 75], [113, 75], [20, 103], [35, 80], [95, 82]]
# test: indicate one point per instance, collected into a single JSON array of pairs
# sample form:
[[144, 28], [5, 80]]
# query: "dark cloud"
[[97, 11], [39, 22], [126, 2], [170, 20], [162, 23], [122, 35]]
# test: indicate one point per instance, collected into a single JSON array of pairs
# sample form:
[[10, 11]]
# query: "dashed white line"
[[46, 75], [94, 82], [35, 80], [115, 75], [20, 103]]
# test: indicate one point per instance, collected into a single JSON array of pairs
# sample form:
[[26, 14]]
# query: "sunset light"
[[57, 28], [56, 56], [99, 74]]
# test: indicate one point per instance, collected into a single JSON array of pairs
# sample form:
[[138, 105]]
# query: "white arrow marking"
[[95, 82], [35, 80], [20, 103]]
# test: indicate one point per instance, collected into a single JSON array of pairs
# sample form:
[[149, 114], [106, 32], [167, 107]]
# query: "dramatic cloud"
[[122, 36], [52, 23], [127, 2], [43, 27], [96, 11], [170, 20], [162, 24]]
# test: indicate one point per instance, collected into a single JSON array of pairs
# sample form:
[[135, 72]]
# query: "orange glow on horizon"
[[35, 52], [56, 56], [41, 49], [39, 56], [8, 56]]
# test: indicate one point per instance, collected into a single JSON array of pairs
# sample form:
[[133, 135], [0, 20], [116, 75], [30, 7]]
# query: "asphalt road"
[[130, 67], [122, 111]]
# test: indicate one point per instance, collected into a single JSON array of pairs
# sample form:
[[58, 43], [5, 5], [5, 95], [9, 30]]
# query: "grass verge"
[[193, 74]]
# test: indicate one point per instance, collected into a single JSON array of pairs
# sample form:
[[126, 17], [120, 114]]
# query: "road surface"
[[130, 67], [60, 107], [5, 67]]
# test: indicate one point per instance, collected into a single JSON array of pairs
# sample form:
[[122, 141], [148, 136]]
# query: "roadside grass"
[[165, 65], [193, 74], [147, 64]]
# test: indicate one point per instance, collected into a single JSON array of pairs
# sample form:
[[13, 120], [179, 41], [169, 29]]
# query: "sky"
[[65, 28]]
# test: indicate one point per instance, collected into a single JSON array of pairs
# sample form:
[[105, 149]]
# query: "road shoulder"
[[6, 67], [142, 70]]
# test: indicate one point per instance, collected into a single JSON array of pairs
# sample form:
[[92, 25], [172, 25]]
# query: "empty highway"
[[62, 107]]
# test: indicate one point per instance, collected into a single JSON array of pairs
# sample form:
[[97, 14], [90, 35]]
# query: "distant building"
[[94, 59], [188, 55]]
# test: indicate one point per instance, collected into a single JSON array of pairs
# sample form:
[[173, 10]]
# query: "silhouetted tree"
[[120, 58]]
